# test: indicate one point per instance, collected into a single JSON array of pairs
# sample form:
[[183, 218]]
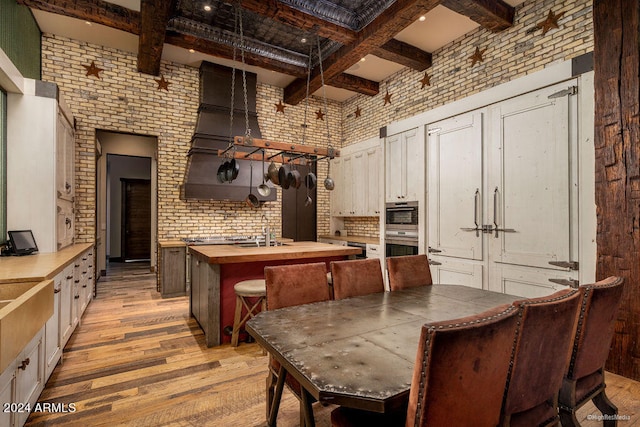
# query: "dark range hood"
[[212, 133]]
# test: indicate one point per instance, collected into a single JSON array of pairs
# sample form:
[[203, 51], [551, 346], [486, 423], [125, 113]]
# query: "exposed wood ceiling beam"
[[394, 19], [404, 54], [494, 15], [98, 11], [154, 16], [354, 84], [285, 14]]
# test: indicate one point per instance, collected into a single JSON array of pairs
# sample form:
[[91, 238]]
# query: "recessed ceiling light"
[[363, 59], [422, 18], [192, 51], [303, 40], [207, 8], [87, 22]]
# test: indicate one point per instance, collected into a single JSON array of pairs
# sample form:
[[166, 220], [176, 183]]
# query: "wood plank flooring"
[[138, 359]]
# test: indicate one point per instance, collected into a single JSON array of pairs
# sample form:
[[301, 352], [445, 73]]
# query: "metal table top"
[[359, 352]]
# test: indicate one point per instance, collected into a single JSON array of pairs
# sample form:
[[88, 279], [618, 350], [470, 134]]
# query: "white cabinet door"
[[52, 328], [373, 173], [7, 393], [396, 155], [359, 184], [454, 271], [405, 162], [29, 375], [414, 166], [336, 173], [347, 186], [455, 186], [529, 180], [67, 304]]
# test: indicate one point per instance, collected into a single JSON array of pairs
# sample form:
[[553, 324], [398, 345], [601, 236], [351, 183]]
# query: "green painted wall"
[[20, 38]]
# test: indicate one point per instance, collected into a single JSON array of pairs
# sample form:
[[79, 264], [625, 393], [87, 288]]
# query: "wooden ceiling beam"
[[394, 19], [154, 17], [494, 15], [355, 84], [404, 54], [286, 14], [97, 11]]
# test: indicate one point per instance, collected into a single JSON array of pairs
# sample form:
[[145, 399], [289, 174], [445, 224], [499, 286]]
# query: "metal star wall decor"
[[319, 114], [550, 22], [387, 98], [426, 81], [477, 56], [279, 107], [93, 70], [162, 83], [358, 112]]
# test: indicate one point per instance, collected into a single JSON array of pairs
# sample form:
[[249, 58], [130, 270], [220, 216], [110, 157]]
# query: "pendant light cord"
[[324, 93]]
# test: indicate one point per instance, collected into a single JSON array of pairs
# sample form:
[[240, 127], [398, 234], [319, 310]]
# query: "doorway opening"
[[126, 192]]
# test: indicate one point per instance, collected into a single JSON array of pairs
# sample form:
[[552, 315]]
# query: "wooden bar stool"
[[255, 288]]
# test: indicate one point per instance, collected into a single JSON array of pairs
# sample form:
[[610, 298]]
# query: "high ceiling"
[[362, 41]]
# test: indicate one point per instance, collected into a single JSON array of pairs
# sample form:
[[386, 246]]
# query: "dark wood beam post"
[[617, 184], [494, 15], [154, 17], [404, 54]]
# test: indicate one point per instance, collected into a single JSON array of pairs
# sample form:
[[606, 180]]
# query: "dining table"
[[360, 352]]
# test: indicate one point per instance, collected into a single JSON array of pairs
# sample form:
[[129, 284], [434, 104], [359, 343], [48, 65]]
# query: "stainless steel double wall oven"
[[401, 235]]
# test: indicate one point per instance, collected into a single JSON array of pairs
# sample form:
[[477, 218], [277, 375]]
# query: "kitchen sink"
[[24, 309]]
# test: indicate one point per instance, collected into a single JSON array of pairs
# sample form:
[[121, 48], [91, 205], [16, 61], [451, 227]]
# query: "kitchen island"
[[215, 269]]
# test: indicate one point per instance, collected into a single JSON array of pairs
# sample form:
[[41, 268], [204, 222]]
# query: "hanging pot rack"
[[289, 153]]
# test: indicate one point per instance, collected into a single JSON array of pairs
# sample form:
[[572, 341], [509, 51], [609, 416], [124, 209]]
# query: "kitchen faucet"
[[266, 231]]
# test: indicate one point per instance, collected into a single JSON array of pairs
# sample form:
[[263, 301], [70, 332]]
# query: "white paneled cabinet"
[[404, 163], [52, 335], [357, 174], [40, 165], [22, 382]]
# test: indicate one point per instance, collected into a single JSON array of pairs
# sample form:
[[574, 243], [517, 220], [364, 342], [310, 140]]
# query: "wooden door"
[[136, 219], [529, 196], [298, 219], [456, 187]]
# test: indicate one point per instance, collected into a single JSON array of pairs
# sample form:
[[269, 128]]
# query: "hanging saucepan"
[[251, 199], [283, 173], [272, 173], [222, 174], [328, 181], [263, 189], [310, 180], [294, 178], [234, 168]]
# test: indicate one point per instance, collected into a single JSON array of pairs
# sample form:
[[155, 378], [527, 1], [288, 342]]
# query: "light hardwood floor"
[[139, 360]]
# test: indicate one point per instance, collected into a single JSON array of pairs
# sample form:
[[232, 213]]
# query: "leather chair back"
[[540, 358], [408, 271], [596, 321], [289, 285], [460, 368], [356, 277]]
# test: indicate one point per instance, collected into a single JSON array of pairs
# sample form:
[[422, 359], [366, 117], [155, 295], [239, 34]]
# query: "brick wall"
[[124, 100]]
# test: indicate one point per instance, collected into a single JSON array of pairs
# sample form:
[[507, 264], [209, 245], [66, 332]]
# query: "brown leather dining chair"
[[584, 379], [356, 277], [289, 285], [408, 271], [459, 375], [540, 359]]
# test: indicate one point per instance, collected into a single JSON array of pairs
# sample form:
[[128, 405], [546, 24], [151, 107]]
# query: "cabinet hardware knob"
[[76, 281], [76, 297], [69, 277], [56, 291], [24, 364], [84, 286]]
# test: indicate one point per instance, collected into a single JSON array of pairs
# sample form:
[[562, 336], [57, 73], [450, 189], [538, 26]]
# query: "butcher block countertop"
[[38, 267], [230, 254]]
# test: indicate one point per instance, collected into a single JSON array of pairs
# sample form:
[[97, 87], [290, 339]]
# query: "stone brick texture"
[[124, 100]]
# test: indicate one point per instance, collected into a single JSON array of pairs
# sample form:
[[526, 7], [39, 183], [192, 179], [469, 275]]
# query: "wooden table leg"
[[308, 410], [275, 405]]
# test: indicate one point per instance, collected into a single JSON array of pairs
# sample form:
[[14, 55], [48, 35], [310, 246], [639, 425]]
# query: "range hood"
[[212, 133]]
